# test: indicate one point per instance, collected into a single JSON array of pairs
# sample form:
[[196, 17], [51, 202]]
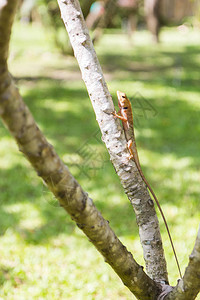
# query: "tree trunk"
[[115, 140], [18, 119], [151, 8]]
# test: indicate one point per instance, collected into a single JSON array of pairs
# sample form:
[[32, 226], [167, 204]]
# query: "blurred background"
[[151, 51]]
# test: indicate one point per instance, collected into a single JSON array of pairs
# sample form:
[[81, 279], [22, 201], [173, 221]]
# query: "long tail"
[[163, 216]]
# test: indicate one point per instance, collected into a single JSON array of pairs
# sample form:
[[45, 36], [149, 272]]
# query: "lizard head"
[[122, 99]]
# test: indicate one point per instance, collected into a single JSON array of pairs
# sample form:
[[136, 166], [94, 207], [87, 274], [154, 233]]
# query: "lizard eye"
[[125, 107], [123, 97]]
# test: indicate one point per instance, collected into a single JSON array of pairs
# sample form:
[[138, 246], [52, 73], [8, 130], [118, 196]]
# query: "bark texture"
[[18, 119], [66, 189], [189, 287], [115, 141], [7, 14]]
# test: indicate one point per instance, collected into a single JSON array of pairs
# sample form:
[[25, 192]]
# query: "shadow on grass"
[[179, 69], [30, 202], [65, 116], [55, 220]]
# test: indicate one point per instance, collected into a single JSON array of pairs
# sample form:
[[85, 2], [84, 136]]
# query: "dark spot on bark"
[[158, 242], [147, 242], [81, 226], [61, 194], [103, 250], [128, 272], [84, 201], [39, 173], [84, 43], [150, 202]]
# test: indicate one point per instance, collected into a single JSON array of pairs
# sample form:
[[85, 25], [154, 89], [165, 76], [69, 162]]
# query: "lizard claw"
[[114, 114], [130, 156]]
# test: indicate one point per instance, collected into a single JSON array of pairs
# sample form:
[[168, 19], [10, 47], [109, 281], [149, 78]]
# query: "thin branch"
[[115, 141], [7, 14], [18, 119], [72, 198], [189, 287]]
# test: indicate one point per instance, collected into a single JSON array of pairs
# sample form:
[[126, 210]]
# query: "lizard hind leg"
[[129, 145]]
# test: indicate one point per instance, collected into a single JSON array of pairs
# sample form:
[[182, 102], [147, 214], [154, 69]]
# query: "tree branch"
[[7, 14], [18, 119], [189, 287], [115, 141], [75, 201]]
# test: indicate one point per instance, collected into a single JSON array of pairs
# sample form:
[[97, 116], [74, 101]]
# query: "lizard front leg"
[[119, 116]]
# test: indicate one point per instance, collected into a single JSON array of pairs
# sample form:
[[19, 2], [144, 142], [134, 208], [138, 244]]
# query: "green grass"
[[42, 253]]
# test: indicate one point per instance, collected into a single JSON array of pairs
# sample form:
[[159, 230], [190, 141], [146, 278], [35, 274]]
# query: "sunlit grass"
[[43, 254]]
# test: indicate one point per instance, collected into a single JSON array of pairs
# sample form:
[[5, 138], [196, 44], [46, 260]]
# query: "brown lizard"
[[126, 116]]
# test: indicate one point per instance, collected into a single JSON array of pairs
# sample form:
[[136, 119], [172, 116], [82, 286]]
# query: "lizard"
[[126, 116]]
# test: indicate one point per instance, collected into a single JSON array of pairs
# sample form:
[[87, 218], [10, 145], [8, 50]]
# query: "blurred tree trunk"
[[151, 8], [19, 121], [101, 20], [26, 10], [129, 14], [85, 6], [174, 12]]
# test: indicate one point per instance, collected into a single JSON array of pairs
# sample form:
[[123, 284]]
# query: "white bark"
[[76, 202], [114, 139], [18, 119]]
